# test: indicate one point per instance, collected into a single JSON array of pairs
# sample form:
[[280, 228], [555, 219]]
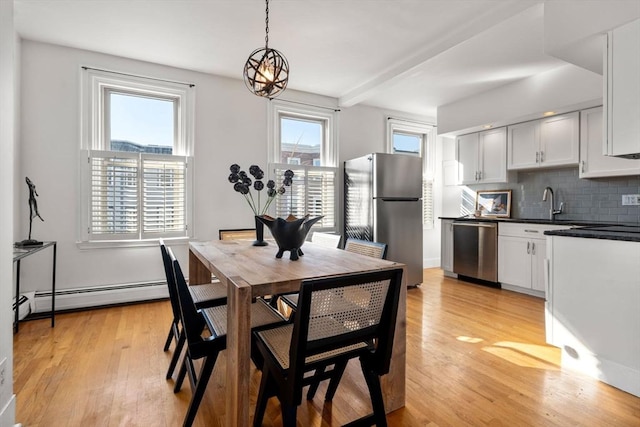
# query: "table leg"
[[394, 383], [198, 272], [16, 326], [53, 286], [238, 351]]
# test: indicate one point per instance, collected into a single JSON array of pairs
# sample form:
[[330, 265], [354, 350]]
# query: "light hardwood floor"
[[476, 357]]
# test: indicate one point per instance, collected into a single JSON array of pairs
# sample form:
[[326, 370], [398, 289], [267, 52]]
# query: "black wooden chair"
[[338, 319], [208, 348], [207, 295], [362, 247]]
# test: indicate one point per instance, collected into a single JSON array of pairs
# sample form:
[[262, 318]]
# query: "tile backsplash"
[[594, 199]]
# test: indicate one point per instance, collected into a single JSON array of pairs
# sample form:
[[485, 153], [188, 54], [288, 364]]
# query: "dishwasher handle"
[[473, 224]]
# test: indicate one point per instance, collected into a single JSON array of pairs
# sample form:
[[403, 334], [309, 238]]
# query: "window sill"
[[108, 244]]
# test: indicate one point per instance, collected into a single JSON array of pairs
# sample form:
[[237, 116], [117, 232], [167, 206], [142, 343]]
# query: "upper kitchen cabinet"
[[593, 163], [622, 91], [548, 142], [482, 157]]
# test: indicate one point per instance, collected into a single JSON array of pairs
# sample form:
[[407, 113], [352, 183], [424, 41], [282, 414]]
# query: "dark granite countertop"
[[613, 232], [585, 229], [567, 222]]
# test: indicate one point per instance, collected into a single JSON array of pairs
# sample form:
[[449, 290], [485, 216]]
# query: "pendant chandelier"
[[266, 72]]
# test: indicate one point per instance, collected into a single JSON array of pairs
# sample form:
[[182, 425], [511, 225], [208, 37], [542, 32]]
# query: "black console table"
[[20, 252]]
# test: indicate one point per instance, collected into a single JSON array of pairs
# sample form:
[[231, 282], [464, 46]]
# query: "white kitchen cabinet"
[[446, 247], [521, 257], [592, 310], [482, 157], [548, 142], [593, 163], [622, 91]]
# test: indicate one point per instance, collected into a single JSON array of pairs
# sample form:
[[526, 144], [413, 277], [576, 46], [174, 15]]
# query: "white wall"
[[562, 89], [231, 127], [8, 107]]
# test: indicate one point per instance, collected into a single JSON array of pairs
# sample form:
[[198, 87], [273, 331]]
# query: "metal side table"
[[20, 252]]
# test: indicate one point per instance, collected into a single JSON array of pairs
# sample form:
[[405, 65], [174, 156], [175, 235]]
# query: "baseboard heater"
[[79, 298]]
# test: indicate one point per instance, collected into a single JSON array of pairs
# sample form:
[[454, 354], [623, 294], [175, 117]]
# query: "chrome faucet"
[[552, 210]]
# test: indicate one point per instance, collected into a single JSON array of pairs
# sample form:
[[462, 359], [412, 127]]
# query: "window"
[[303, 139], [136, 141], [414, 139]]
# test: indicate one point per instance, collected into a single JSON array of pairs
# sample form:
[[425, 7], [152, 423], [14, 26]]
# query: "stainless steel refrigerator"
[[383, 203]]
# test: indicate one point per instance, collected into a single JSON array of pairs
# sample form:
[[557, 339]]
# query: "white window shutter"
[[312, 192], [113, 208], [164, 180], [427, 203]]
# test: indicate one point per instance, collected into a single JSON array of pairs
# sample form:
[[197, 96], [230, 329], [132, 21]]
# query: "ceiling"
[[410, 56]]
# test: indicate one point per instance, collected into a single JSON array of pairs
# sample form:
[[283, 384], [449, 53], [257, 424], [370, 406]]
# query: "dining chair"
[[208, 347], [362, 247], [328, 331], [207, 295], [326, 239]]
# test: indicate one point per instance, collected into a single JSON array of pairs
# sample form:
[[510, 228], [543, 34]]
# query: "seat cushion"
[[262, 314], [278, 341]]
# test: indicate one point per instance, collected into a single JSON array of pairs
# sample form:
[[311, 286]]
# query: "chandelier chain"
[[266, 21]]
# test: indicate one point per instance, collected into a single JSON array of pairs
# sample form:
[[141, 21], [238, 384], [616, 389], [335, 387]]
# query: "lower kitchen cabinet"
[[446, 247], [521, 257]]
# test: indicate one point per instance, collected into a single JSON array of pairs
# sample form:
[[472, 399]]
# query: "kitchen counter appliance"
[[475, 250]]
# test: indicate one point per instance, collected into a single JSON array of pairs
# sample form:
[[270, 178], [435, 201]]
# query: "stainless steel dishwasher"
[[475, 250]]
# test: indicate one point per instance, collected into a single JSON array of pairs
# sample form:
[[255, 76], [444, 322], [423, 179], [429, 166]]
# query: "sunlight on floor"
[[527, 355], [469, 339]]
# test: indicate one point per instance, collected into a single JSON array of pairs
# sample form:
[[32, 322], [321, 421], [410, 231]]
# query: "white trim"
[[278, 108], [96, 83]]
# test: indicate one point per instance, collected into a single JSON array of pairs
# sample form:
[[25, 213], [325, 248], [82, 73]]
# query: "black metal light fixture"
[[266, 72]]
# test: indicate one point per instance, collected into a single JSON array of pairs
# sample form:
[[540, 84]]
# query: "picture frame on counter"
[[493, 203]]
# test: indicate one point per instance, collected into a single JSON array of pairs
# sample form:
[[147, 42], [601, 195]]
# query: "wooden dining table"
[[253, 271]]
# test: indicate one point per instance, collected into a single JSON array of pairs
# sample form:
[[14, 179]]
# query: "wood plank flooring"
[[476, 357]]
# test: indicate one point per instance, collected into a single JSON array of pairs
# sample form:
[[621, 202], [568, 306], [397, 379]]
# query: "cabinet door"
[[446, 248], [559, 140], [538, 256], [493, 155], [523, 143], [514, 261], [467, 155], [623, 90], [592, 162]]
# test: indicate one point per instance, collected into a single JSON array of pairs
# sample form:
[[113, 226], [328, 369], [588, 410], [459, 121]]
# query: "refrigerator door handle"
[[399, 199]]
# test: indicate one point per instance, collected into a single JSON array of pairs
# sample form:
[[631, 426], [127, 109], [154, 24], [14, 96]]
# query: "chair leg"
[[181, 374], [169, 337], [263, 397], [315, 382], [289, 414], [176, 355], [375, 391], [335, 380], [201, 386]]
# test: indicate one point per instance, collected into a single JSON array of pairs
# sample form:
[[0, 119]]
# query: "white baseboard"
[[76, 298], [8, 413]]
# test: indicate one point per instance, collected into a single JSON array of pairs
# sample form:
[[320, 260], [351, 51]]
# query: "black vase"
[[259, 234]]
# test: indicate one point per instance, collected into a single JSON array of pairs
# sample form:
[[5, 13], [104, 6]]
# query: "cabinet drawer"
[[532, 231]]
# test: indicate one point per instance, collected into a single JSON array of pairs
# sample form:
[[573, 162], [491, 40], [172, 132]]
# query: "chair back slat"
[[171, 283], [341, 311], [192, 322], [365, 247]]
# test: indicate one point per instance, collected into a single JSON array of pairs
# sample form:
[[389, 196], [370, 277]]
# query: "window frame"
[[96, 86], [277, 109], [427, 154]]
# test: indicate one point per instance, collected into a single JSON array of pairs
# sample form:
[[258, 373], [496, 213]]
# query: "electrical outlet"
[[630, 199]]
